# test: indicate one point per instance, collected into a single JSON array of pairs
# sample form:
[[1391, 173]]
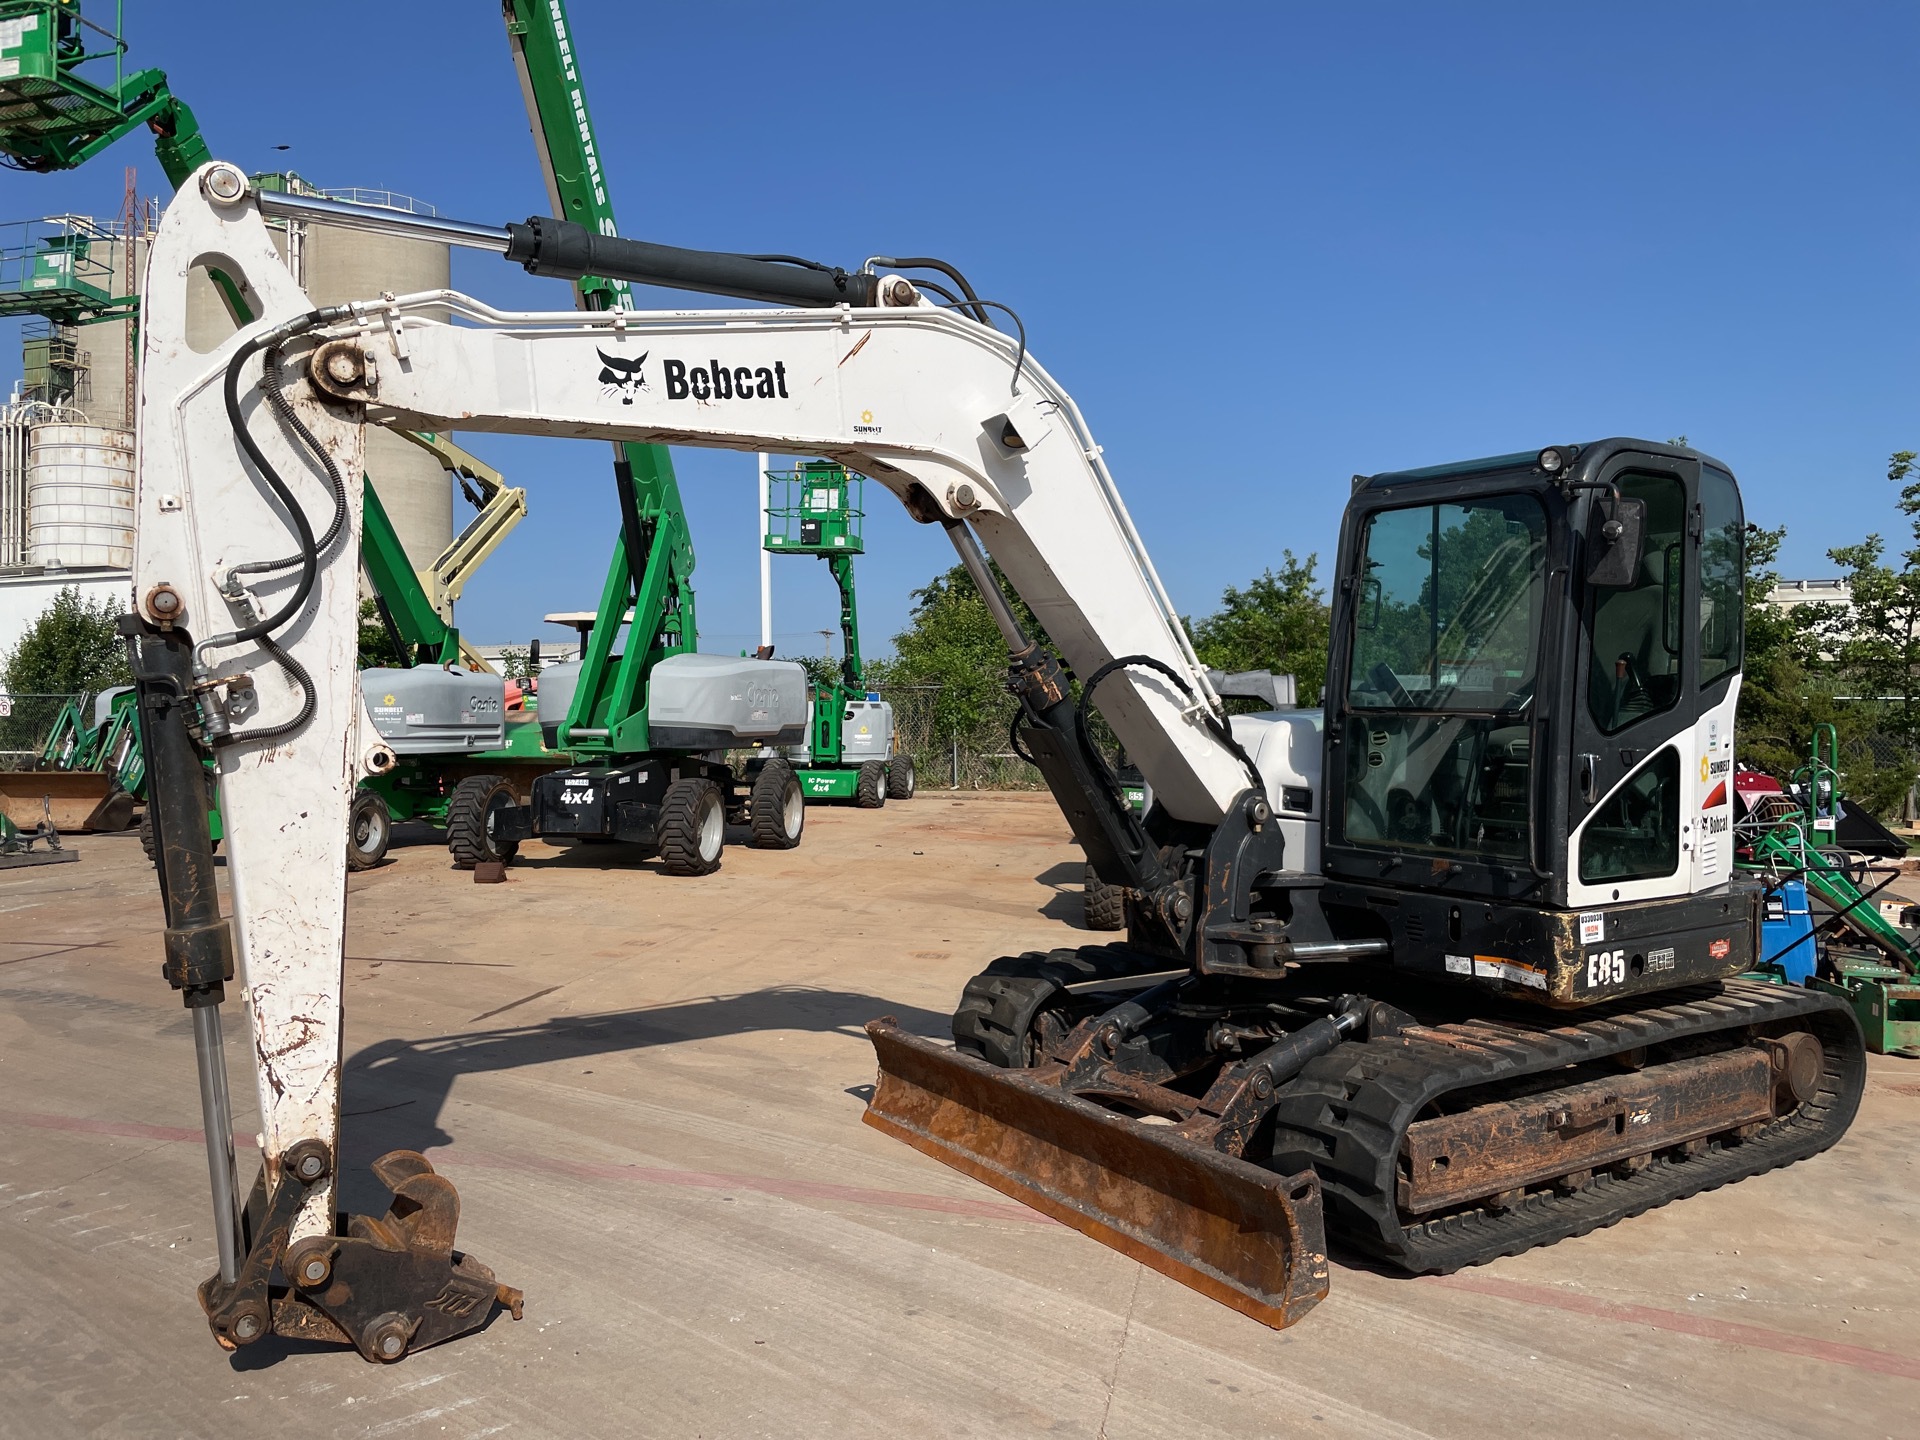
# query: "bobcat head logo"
[[622, 377]]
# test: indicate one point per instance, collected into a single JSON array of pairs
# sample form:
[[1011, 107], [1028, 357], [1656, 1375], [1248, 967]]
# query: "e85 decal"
[[1606, 967]]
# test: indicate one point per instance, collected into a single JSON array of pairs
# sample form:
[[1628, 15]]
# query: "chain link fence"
[[25, 722], [954, 755]]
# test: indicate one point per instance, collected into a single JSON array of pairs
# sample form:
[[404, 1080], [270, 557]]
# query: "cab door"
[[1638, 743]]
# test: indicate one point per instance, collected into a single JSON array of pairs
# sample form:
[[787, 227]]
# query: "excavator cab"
[[1530, 699]]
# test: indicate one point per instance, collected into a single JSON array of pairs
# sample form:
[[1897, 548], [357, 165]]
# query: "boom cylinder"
[[567, 251], [199, 944]]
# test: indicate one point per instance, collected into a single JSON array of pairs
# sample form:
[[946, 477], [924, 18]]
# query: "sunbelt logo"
[[714, 381]]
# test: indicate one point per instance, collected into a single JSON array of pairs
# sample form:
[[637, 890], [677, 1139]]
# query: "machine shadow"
[[1067, 904], [394, 1092], [270, 1349], [613, 855]]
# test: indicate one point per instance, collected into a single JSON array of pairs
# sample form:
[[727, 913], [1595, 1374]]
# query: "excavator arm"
[[248, 516]]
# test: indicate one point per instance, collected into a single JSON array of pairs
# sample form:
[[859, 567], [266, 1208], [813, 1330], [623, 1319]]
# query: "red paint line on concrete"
[[120, 1129], [790, 1188], [1858, 1357]]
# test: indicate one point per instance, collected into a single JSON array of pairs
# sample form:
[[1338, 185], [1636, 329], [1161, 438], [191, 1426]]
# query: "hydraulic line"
[[308, 555], [927, 262], [1216, 726], [977, 306]]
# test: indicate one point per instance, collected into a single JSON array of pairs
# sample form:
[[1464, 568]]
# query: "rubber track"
[[998, 1007], [1347, 1112], [1105, 905]]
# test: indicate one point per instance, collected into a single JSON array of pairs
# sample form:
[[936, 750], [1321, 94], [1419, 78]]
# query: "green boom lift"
[[631, 777], [849, 754]]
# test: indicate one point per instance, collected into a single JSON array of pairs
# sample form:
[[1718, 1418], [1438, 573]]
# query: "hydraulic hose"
[[308, 556], [927, 262], [1217, 727], [310, 549]]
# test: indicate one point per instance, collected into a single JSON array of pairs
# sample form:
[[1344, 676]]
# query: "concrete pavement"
[[648, 1091]]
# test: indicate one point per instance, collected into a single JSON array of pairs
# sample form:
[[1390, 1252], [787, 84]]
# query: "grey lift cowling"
[[435, 710], [700, 702]]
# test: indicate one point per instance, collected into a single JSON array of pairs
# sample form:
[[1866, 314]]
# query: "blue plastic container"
[[1786, 933]]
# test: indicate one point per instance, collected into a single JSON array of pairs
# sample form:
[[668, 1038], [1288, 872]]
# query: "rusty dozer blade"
[[1239, 1234]]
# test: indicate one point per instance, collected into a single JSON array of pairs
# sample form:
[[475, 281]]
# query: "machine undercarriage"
[[1405, 1119]]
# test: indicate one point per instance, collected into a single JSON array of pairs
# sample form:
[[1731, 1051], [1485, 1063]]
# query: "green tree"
[[1775, 717], [953, 643], [376, 645], [1874, 645], [73, 648], [821, 669], [1278, 622]]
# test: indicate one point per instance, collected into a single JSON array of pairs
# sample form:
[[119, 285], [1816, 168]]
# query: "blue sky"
[[1264, 246]]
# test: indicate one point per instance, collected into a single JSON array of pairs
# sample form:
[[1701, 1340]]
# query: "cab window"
[[1722, 573], [1637, 629], [1635, 835]]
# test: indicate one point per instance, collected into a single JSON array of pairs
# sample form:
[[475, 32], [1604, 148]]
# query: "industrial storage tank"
[[333, 266], [80, 496]]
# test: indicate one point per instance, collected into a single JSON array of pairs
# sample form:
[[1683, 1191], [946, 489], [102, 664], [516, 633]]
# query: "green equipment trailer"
[[851, 751]]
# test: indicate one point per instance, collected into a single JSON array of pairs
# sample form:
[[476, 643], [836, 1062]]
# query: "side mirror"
[[1616, 543]]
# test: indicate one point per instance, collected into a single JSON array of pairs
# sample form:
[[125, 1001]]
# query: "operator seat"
[[1634, 673]]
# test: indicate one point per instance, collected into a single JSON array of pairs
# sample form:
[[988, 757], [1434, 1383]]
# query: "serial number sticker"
[[1492, 967], [1660, 959], [1459, 965], [1593, 927]]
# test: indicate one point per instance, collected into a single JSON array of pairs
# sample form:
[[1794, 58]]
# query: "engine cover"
[[428, 710], [719, 702]]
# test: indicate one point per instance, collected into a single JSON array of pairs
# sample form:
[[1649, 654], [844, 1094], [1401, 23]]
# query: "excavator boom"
[[243, 644]]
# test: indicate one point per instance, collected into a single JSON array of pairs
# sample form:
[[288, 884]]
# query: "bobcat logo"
[[622, 377]]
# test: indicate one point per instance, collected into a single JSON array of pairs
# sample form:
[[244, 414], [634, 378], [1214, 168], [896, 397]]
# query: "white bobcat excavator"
[[1432, 978]]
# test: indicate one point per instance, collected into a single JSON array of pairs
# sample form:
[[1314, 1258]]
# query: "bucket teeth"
[[1244, 1236]]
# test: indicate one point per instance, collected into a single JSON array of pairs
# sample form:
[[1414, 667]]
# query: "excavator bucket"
[[77, 800], [1239, 1234]]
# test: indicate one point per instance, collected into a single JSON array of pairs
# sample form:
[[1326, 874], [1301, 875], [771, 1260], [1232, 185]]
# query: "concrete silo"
[[338, 265]]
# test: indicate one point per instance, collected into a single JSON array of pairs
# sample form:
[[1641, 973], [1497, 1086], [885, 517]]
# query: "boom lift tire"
[[900, 777], [1105, 905], [692, 828], [777, 811], [473, 810], [870, 791], [369, 830]]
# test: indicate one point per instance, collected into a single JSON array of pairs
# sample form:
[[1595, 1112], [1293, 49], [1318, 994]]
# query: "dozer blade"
[[1239, 1234]]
